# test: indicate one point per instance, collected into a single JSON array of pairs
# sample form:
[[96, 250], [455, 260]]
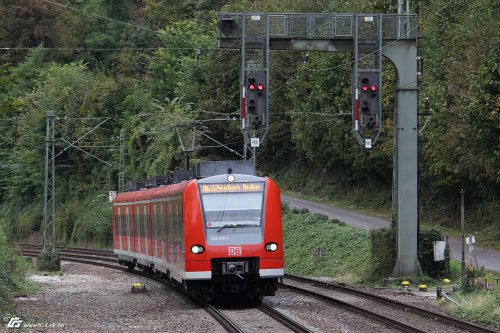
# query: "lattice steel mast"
[[49, 231]]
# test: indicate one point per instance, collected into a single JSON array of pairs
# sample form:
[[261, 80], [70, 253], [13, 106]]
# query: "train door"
[[173, 237], [182, 251], [145, 222], [154, 233], [138, 235], [118, 228], [127, 230], [163, 230], [178, 253], [170, 252]]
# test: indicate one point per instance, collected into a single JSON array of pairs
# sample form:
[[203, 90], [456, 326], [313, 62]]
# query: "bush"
[[12, 271], [49, 261], [468, 284], [435, 269], [383, 251], [94, 224]]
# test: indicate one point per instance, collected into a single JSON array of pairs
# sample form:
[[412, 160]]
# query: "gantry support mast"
[[365, 36]]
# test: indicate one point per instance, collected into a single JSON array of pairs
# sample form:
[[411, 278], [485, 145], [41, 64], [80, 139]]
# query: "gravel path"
[[95, 299], [92, 299]]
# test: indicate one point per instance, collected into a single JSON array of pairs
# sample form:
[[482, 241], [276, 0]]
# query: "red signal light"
[[373, 88], [251, 87], [260, 87], [364, 88]]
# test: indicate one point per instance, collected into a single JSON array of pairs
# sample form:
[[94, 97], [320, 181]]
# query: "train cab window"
[[236, 208]]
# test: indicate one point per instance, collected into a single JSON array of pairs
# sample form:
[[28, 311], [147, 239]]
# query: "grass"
[[480, 306], [484, 237], [12, 279], [345, 250], [346, 257]]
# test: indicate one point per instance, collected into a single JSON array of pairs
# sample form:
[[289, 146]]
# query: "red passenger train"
[[216, 235]]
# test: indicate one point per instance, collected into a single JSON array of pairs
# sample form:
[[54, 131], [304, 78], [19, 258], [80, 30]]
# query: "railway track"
[[102, 252], [374, 307], [236, 320], [251, 319], [239, 320], [84, 256]]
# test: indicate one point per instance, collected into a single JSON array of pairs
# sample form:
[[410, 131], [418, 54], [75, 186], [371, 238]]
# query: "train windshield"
[[233, 209]]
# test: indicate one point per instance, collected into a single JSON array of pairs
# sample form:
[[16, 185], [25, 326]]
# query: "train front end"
[[240, 248]]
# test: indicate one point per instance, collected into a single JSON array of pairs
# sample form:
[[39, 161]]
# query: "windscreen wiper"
[[236, 226]]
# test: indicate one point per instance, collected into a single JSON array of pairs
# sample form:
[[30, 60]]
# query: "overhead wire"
[[367, 55], [228, 49], [99, 16]]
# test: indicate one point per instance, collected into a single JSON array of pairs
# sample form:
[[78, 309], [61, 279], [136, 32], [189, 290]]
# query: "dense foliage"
[[12, 271], [151, 66], [317, 246]]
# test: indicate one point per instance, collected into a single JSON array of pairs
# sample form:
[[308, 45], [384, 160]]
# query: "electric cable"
[[367, 55]]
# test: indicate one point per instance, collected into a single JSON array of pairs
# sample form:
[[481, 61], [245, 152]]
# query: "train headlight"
[[197, 249], [271, 247]]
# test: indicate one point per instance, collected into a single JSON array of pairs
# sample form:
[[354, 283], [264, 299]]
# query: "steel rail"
[[222, 319], [82, 261], [356, 309], [284, 320], [225, 322], [82, 249], [67, 256], [394, 303]]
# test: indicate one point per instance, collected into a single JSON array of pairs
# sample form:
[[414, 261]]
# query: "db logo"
[[235, 251]]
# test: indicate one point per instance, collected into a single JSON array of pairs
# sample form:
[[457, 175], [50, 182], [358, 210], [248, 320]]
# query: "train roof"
[[178, 189], [238, 178], [152, 193], [208, 172]]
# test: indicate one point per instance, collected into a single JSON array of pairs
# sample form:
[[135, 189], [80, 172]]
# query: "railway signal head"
[[256, 98], [369, 100], [256, 120], [227, 27]]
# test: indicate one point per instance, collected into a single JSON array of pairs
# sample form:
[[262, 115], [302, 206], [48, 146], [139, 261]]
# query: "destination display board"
[[233, 187]]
